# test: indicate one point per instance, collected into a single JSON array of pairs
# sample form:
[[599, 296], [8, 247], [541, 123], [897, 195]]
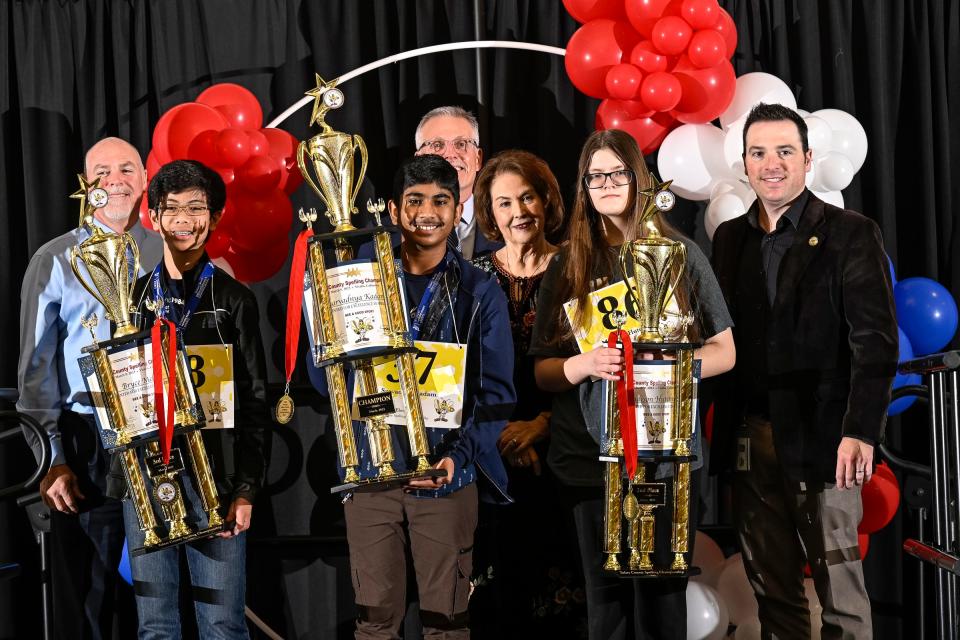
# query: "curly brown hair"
[[535, 172]]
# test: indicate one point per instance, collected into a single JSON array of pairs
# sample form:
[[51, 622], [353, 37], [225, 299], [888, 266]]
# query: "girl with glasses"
[[606, 213]]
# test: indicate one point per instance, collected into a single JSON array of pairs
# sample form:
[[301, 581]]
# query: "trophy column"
[[683, 426]]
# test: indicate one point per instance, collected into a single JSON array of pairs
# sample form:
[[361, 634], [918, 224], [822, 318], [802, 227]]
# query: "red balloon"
[[259, 145], [728, 29], [233, 147], [645, 56], [244, 110], [227, 174], [705, 92], [586, 10], [612, 113], [593, 49], [623, 81], [881, 499], [153, 165], [259, 174], [217, 243], [707, 49], [161, 131], [649, 132], [204, 148], [671, 35], [187, 123], [643, 14], [145, 216], [260, 219], [254, 266], [283, 147], [660, 91], [700, 14]]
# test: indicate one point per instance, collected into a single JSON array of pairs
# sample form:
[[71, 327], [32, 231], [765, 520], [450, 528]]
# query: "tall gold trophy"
[[119, 377], [357, 316], [652, 268]]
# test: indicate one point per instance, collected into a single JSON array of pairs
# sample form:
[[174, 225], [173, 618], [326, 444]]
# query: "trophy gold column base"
[[379, 484], [612, 563], [150, 538], [163, 543], [679, 562]]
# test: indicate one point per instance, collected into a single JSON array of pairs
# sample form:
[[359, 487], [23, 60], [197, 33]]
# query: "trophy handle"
[[680, 253], [301, 152], [74, 256], [359, 144], [625, 254], [129, 242]]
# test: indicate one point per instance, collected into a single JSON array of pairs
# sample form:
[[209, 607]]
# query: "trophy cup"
[[357, 316], [652, 269], [118, 374]]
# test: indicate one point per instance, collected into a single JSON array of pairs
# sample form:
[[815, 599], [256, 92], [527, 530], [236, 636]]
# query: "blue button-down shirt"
[[52, 303]]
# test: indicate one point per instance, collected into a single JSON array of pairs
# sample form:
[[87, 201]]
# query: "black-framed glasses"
[[437, 145], [619, 178], [192, 210]]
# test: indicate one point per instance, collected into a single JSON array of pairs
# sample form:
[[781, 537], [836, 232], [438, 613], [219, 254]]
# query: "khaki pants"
[[381, 527], [783, 523]]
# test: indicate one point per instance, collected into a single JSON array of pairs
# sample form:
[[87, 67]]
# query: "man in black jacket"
[[208, 307], [816, 335]]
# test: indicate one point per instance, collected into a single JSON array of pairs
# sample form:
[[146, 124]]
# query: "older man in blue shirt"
[[87, 527]]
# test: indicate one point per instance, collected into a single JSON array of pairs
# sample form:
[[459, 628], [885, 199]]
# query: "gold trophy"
[[652, 268], [120, 385], [377, 331]]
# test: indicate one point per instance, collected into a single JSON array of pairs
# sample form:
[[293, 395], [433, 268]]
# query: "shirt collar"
[[467, 216], [793, 214]]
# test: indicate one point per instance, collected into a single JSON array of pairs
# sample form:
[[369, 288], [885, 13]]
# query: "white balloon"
[[832, 197], [753, 88], [707, 616], [834, 172], [709, 558], [733, 147], [803, 112], [849, 137], [819, 134], [722, 208], [691, 155], [748, 630], [736, 590]]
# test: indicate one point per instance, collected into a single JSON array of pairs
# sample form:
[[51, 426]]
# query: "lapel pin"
[[813, 241]]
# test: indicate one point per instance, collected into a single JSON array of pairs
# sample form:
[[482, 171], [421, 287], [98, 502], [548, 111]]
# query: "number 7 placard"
[[598, 322], [440, 370]]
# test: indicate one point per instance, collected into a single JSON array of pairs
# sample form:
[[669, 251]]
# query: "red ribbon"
[[165, 424], [626, 399], [295, 302]]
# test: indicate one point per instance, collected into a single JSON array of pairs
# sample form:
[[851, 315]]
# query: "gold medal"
[[285, 408]]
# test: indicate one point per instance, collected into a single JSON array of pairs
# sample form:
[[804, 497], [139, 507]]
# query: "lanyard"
[[421, 313], [163, 307]]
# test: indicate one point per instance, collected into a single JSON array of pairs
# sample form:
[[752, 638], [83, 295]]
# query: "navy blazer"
[[832, 342]]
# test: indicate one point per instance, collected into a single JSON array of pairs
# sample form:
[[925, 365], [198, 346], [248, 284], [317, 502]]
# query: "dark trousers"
[[438, 532], [85, 548], [620, 608], [783, 523]]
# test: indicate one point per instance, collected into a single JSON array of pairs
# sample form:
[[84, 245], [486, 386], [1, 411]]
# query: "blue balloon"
[[926, 312], [124, 568], [906, 353], [893, 274]]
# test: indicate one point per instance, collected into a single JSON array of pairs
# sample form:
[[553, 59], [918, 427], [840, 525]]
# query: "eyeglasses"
[[619, 178], [192, 210], [437, 145]]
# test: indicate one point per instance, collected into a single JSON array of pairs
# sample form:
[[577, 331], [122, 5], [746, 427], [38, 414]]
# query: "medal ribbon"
[[295, 304], [626, 399], [421, 313], [165, 423]]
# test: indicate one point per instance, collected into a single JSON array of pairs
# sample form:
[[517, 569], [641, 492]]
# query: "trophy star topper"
[[658, 198], [325, 97], [91, 197]]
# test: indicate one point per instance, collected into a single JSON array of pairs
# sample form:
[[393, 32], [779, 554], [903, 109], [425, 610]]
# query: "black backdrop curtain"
[[72, 72]]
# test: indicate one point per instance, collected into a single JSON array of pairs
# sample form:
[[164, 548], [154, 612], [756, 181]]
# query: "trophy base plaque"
[[195, 536], [689, 572], [381, 484]]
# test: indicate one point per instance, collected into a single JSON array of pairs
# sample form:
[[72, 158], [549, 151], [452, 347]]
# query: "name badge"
[[211, 367], [440, 371]]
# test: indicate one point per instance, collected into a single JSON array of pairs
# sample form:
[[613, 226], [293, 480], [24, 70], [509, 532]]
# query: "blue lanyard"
[[421, 313], [163, 306]]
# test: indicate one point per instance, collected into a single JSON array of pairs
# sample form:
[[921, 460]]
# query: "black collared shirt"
[[774, 245]]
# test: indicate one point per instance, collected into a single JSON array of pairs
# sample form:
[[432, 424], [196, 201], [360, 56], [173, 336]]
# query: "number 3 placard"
[[441, 370]]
